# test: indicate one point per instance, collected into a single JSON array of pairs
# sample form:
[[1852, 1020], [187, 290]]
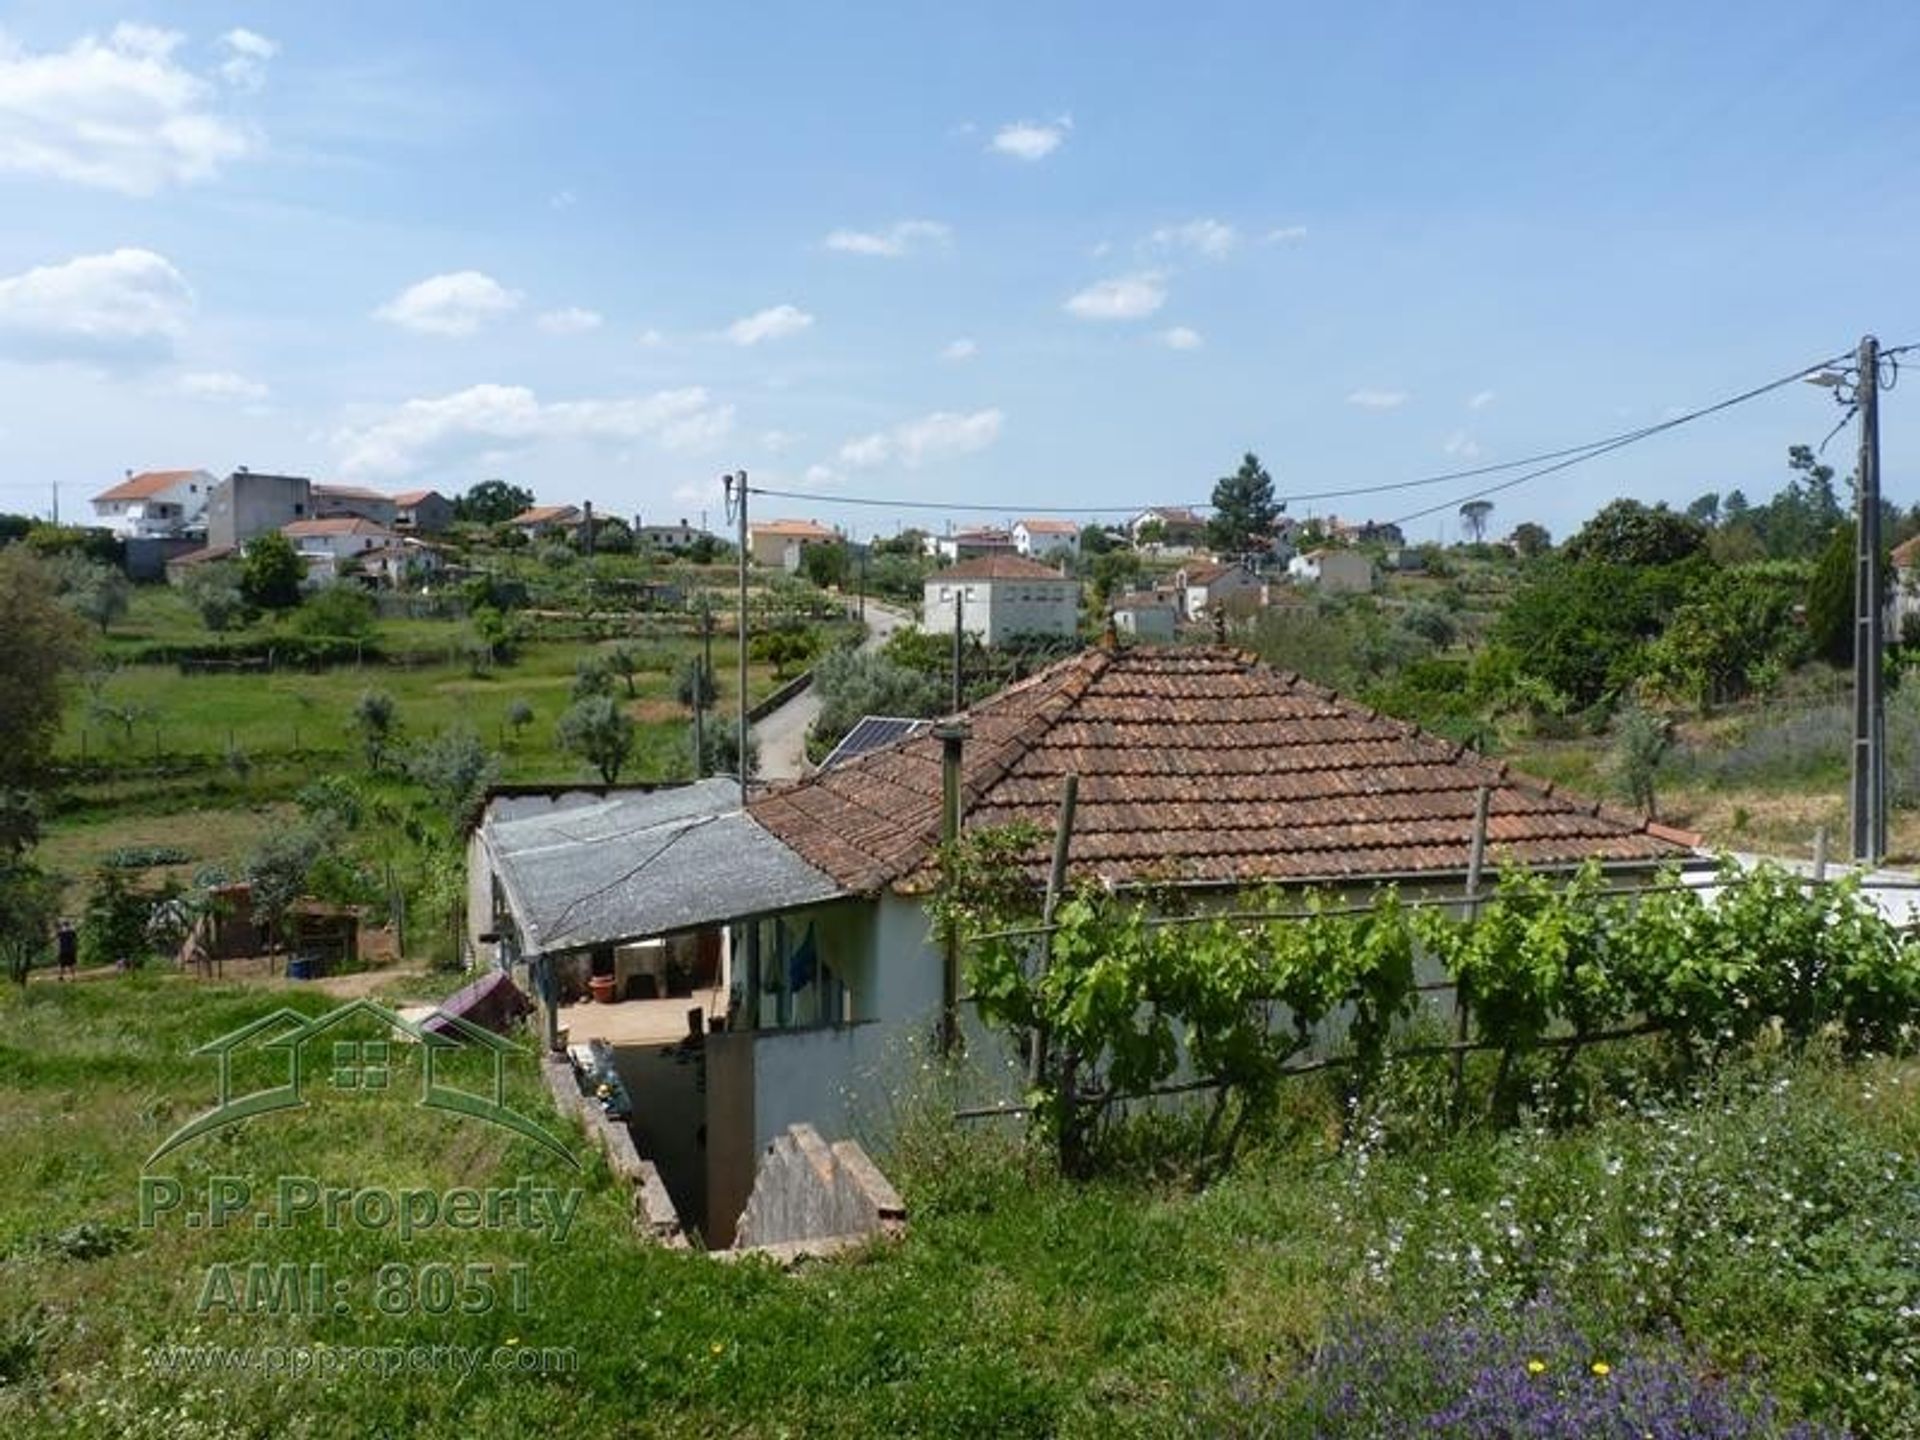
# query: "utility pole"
[[739, 482], [56, 502], [702, 681], [1869, 768], [959, 642]]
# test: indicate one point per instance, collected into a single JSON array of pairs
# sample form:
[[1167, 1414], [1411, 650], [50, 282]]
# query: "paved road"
[[783, 734]]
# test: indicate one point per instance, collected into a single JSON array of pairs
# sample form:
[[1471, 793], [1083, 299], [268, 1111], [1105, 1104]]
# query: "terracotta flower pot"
[[602, 988]]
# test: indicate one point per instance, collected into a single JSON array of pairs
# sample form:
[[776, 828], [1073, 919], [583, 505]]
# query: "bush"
[[339, 611], [272, 572], [598, 731], [214, 591]]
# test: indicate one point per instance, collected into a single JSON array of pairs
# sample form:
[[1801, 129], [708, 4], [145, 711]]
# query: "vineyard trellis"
[[1119, 993]]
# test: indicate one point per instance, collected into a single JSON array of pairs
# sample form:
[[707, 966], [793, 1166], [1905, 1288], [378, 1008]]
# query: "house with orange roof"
[[1038, 539], [155, 504], [537, 522], [332, 502], [784, 542]]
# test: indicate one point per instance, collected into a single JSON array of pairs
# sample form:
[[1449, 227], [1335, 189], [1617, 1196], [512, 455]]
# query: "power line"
[[1630, 438], [1548, 461]]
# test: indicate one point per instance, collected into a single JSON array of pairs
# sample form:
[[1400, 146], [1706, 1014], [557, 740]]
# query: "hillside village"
[[935, 723]]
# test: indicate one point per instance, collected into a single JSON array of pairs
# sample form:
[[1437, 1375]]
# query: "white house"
[[540, 521], [1338, 572], [155, 504], [1001, 596], [1040, 539], [970, 544], [666, 537], [1177, 528], [810, 900], [327, 544], [1233, 589], [786, 542]]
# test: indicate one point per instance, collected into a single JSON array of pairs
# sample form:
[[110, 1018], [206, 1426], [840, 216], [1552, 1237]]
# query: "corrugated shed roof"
[[1198, 765], [644, 863]]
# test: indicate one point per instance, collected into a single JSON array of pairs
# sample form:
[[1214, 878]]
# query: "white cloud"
[[119, 114], [1462, 446], [1378, 399], [652, 339], [819, 475], [220, 385], [775, 323], [901, 238], [961, 349], [457, 303], [1127, 297], [1027, 140], [1209, 239], [571, 321], [917, 442], [1181, 337], [774, 442], [1480, 400], [248, 52], [451, 430], [124, 308], [1285, 234]]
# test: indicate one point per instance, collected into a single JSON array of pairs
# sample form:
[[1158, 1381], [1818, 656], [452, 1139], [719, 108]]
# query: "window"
[[360, 1065]]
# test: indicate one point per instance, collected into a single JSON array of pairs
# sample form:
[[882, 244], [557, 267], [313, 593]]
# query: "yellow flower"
[[1602, 1369], [1536, 1367], [718, 1347], [513, 1339]]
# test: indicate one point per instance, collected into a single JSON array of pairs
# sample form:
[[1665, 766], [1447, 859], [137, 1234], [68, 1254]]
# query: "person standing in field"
[[66, 945]]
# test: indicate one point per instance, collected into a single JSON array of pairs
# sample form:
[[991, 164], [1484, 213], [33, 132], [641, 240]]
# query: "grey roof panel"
[[646, 863]]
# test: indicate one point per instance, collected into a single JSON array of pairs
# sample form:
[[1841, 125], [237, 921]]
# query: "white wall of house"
[[1341, 572], [180, 506], [1039, 544], [995, 610]]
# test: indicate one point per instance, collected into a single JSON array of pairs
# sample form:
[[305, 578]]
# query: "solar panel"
[[871, 733]]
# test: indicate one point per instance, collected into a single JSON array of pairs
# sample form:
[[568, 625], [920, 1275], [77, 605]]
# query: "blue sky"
[[1061, 255]]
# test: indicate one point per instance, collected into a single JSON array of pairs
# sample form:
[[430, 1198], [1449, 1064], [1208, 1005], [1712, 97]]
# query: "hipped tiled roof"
[[1197, 765], [996, 567], [146, 484]]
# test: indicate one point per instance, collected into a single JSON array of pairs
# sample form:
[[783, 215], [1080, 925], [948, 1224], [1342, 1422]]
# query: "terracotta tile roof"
[[146, 484], [1907, 553], [545, 515], [996, 567], [1206, 574], [349, 492], [407, 498], [1051, 527], [337, 525], [1201, 765], [802, 529]]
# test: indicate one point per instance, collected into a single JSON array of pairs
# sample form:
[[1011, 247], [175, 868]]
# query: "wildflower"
[[1602, 1369], [1536, 1367], [718, 1347], [513, 1339]]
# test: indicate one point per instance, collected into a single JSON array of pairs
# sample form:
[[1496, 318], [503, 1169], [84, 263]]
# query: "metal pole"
[[1476, 864], [952, 738], [741, 738], [1869, 769], [1056, 882]]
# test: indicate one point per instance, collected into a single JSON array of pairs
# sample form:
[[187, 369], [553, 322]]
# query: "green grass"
[[1769, 1217]]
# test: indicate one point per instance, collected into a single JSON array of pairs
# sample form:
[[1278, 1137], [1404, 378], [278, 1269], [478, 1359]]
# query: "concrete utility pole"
[[959, 644], [1869, 655], [739, 482]]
